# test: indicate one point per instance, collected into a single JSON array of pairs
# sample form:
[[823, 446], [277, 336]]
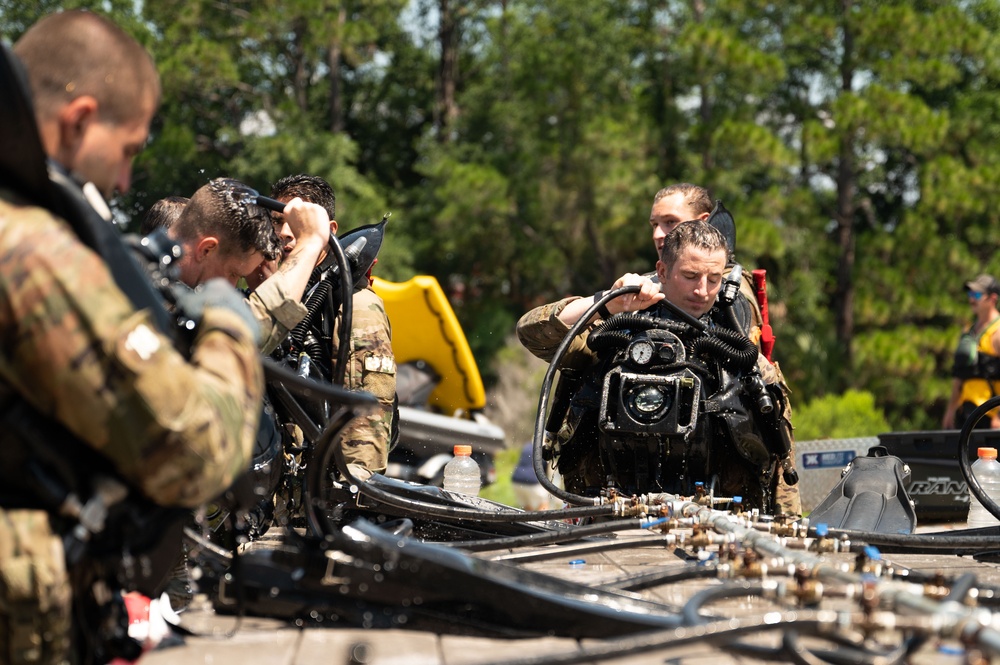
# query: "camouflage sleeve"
[[787, 496], [372, 368], [275, 310], [541, 332], [75, 348], [750, 294]]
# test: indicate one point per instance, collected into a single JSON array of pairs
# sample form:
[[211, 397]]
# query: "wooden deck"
[[225, 640]]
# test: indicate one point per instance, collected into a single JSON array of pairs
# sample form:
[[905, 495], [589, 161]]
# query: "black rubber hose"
[[273, 372], [347, 320], [545, 538], [660, 640], [316, 300], [330, 451], [961, 544], [657, 578], [618, 331], [849, 653], [739, 351], [604, 339], [538, 461], [963, 455], [690, 613]]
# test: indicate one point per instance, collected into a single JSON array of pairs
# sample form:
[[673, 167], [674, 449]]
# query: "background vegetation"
[[518, 144]]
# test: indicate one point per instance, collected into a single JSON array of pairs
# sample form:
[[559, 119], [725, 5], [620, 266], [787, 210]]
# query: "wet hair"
[[310, 188], [163, 214], [697, 197], [223, 208], [691, 234], [75, 53]]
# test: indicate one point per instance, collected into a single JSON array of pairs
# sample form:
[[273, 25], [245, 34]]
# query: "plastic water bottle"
[[986, 469], [461, 474]]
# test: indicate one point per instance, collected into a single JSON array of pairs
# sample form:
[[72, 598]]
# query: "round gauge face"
[[649, 400], [641, 352]]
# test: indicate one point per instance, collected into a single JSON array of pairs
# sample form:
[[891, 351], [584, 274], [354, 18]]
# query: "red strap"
[[766, 333]]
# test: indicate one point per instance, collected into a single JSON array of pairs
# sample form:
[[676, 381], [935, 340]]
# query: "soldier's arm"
[[275, 302], [179, 430], [277, 309], [541, 330]]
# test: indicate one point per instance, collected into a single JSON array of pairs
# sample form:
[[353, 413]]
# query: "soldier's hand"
[[216, 294], [261, 274], [649, 294], [307, 222]]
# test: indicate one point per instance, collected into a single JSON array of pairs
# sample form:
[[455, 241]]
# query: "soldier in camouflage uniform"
[[371, 364], [683, 202], [543, 329], [75, 348]]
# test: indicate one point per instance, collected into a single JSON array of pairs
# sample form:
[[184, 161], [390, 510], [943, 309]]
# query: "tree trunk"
[[446, 110], [333, 62], [704, 99], [846, 194], [301, 75]]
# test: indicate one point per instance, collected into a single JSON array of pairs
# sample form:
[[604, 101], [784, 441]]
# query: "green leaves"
[[856, 149]]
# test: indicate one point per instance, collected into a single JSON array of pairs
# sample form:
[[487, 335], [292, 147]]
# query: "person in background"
[[371, 364], [976, 369], [529, 492], [162, 214]]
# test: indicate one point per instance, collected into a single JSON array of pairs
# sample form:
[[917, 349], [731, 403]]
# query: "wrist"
[[603, 310]]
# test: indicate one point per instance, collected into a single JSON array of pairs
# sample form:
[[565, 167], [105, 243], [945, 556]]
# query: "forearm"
[[276, 309], [542, 329]]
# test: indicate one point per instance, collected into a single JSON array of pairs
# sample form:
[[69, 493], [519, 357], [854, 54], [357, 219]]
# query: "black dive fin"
[[723, 220], [871, 496], [373, 234]]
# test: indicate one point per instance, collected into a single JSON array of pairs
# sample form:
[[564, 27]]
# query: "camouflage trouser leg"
[[35, 594], [787, 496]]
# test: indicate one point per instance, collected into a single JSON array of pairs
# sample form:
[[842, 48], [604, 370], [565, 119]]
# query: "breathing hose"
[[537, 460], [332, 452]]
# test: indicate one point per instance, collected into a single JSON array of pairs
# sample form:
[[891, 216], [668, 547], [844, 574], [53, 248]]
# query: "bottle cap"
[[988, 453], [467, 450]]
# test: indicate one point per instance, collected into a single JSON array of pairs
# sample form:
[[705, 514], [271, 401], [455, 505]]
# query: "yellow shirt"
[[977, 390]]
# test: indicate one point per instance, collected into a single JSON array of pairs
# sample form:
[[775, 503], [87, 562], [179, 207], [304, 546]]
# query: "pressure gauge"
[[641, 352]]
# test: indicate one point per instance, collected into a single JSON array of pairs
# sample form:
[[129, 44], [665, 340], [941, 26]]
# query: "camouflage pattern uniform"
[[372, 368], [74, 348], [276, 311], [787, 496], [541, 332]]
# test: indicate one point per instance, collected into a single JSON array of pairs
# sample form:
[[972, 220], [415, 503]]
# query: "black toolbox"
[[936, 485]]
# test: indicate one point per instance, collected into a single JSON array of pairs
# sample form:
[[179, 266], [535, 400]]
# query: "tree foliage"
[[518, 144]]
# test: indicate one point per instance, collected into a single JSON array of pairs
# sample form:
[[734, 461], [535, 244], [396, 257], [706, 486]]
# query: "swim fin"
[[871, 496]]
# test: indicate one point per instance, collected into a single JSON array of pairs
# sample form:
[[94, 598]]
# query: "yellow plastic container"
[[424, 327]]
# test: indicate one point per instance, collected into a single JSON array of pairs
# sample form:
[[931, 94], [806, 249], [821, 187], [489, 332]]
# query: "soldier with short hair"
[[690, 273], [162, 214], [82, 356], [222, 234], [371, 365]]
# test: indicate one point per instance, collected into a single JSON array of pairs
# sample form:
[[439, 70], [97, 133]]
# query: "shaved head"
[[75, 53]]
